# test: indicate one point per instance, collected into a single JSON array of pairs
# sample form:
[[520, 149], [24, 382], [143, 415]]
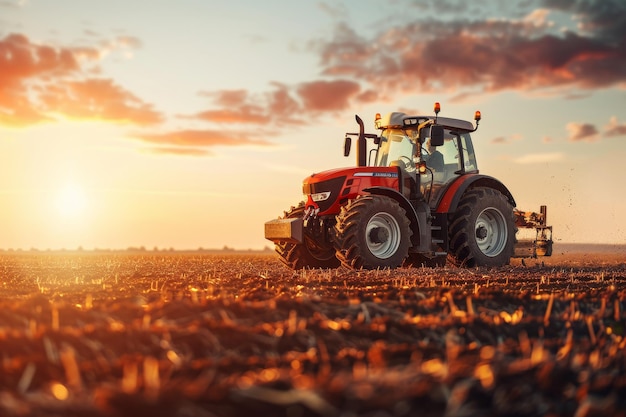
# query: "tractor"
[[415, 198]]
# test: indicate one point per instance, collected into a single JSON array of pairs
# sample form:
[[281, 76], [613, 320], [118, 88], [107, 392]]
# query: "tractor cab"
[[431, 152]]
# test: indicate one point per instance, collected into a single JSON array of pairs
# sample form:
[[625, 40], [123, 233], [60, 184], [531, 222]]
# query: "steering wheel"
[[408, 162]]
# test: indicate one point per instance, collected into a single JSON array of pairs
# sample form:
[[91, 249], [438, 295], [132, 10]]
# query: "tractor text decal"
[[377, 174]]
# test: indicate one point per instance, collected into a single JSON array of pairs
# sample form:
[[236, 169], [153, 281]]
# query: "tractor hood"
[[326, 175], [319, 177], [328, 190]]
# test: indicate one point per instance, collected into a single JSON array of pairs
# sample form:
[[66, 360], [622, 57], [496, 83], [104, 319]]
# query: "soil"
[[170, 334]]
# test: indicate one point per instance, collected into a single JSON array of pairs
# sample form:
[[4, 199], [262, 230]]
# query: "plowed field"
[[158, 334]]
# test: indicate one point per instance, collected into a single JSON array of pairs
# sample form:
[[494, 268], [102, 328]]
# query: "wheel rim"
[[491, 232], [383, 235]]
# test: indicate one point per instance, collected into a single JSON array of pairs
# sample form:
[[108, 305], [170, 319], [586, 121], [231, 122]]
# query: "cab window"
[[394, 145]]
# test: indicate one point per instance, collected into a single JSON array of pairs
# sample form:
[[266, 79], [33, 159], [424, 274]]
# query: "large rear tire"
[[482, 230], [309, 253], [372, 232]]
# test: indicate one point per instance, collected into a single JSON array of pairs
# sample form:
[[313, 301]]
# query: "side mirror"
[[436, 135], [347, 145]]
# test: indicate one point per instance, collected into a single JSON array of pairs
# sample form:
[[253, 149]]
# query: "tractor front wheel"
[[371, 232], [308, 254], [482, 230]]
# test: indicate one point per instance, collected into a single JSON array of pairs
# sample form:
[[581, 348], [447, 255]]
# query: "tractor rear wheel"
[[309, 253], [482, 230], [371, 232]]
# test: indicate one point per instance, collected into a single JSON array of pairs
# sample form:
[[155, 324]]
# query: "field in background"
[[171, 334]]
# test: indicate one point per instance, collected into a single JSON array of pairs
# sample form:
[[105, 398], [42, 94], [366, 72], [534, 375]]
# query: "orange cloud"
[[98, 99], [21, 60], [283, 105], [494, 55], [38, 82], [614, 128], [172, 150], [243, 114], [201, 138], [579, 132], [20, 114], [327, 95], [275, 107], [20, 63]]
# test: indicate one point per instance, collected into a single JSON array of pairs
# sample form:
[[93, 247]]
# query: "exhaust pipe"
[[361, 144]]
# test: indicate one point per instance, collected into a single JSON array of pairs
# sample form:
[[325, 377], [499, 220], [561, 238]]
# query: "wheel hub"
[[491, 232], [379, 235], [481, 232], [383, 235]]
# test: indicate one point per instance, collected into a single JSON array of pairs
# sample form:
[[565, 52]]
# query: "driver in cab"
[[433, 158]]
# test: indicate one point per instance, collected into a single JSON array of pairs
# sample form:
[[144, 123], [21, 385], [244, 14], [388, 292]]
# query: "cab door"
[[444, 164]]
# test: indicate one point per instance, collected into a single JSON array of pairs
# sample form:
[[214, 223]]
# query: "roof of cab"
[[396, 119]]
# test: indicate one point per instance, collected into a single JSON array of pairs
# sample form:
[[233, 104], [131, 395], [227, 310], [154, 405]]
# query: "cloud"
[[128, 42], [283, 105], [538, 17], [442, 52], [459, 54], [276, 107], [20, 114], [21, 62], [504, 139], [539, 158], [104, 47], [172, 150], [99, 99], [236, 107], [614, 128], [201, 138], [452, 47], [39, 83], [579, 132], [124, 44], [87, 53], [327, 95]]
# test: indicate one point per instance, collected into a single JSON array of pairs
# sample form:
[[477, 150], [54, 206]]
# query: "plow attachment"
[[541, 244]]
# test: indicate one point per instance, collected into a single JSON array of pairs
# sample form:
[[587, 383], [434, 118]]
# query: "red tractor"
[[415, 198]]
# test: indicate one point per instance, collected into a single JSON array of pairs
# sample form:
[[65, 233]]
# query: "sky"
[[187, 124]]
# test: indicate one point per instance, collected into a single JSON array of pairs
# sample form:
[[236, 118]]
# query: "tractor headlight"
[[320, 196]]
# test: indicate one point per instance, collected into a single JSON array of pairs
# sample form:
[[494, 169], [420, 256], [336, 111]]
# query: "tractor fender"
[[417, 216], [451, 197]]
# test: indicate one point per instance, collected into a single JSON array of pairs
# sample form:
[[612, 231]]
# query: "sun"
[[71, 201]]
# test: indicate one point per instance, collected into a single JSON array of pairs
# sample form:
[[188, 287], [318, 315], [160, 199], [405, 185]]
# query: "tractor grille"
[[333, 185]]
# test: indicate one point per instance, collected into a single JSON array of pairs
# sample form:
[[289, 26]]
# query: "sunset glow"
[[190, 124], [71, 201]]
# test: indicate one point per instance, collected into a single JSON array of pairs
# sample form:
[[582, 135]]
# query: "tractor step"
[[438, 238]]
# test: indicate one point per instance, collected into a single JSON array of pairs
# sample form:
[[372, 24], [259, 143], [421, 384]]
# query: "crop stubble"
[[226, 335]]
